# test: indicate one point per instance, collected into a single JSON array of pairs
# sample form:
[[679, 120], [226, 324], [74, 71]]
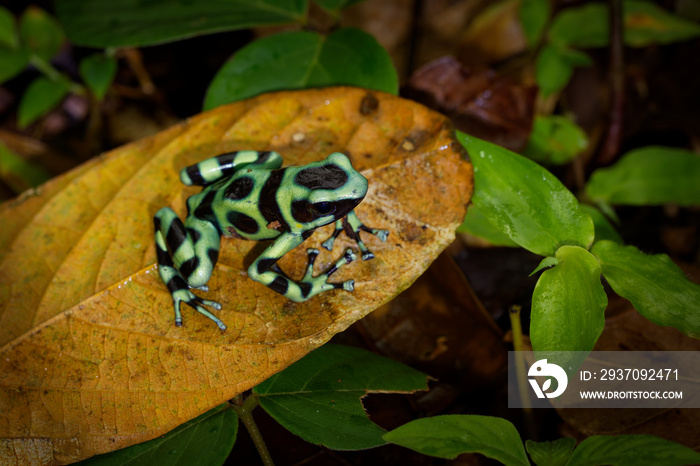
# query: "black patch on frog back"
[[204, 210], [328, 176], [243, 223], [268, 200], [239, 188]]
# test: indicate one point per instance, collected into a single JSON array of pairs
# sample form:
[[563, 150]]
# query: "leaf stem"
[[244, 409]]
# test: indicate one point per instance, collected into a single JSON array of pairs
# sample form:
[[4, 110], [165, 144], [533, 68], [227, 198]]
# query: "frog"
[[249, 195]]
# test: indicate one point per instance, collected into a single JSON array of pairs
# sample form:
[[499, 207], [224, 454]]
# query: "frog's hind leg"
[[352, 226], [213, 169], [186, 257]]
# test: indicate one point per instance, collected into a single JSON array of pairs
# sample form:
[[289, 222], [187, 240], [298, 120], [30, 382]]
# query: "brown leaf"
[[436, 326], [91, 361], [479, 101]]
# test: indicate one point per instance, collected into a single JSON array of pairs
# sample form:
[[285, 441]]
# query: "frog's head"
[[326, 191]]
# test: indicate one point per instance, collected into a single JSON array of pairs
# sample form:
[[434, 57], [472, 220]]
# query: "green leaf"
[[568, 307], [40, 33], [8, 29], [318, 397], [533, 18], [18, 173], [657, 288], [524, 200], [12, 62], [555, 139], [649, 176], [645, 23], [585, 26], [553, 453], [121, 23], [98, 71], [604, 230], [477, 224], [205, 440], [631, 450], [451, 435], [301, 59], [41, 96], [545, 263]]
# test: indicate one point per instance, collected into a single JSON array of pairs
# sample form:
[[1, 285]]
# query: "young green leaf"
[[568, 305], [631, 450], [301, 59], [477, 224], [41, 96], [98, 70], [8, 30], [533, 16], [553, 453], [121, 23], [205, 440], [318, 397], [40, 33], [603, 228], [555, 66], [555, 139], [649, 176], [18, 173], [524, 200], [451, 435], [12, 62], [657, 288]]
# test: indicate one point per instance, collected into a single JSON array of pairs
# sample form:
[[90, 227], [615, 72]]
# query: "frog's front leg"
[[265, 271], [352, 226], [186, 256]]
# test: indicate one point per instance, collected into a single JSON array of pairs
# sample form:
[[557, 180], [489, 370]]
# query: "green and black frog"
[[248, 195]]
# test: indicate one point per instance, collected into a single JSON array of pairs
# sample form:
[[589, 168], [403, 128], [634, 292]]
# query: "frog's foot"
[[311, 286], [352, 227], [197, 303]]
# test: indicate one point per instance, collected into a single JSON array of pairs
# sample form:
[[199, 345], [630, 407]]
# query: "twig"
[[611, 146]]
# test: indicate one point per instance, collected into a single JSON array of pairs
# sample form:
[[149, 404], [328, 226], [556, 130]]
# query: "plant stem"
[[521, 373], [244, 409]]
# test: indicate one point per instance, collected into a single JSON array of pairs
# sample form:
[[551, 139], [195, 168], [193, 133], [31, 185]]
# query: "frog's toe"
[[328, 244], [382, 234], [347, 286]]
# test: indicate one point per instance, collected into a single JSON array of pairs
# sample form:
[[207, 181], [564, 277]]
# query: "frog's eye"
[[321, 209]]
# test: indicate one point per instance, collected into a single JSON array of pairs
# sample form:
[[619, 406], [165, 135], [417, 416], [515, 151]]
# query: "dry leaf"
[[91, 360], [480, 102]]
